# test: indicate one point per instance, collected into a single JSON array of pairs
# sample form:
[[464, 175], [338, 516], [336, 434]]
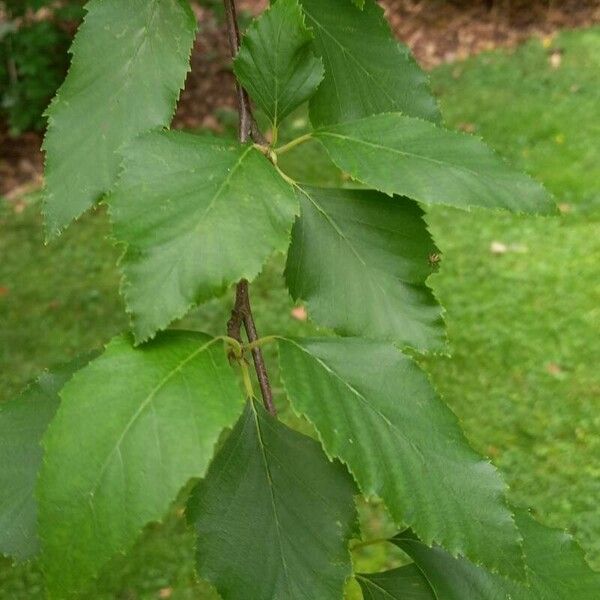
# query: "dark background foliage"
[[33, 57]]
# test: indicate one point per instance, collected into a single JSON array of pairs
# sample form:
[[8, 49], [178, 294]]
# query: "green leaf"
[[366, 70], [404, 583], [401, 155], [197, 214], [276, 63], [359, 3], [23, 422], [375, 410], [273, 515], [130, 60], [133, 427], [556, 569], [360, 260]]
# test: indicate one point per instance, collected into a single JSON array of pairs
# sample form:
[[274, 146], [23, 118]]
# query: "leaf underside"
[[276, 63], [130, 60], [397, 154], [360, 259], [556, 569], [367, 71], [183, 206], [273, 516], [132, 429], [375, 410], [23, 422]]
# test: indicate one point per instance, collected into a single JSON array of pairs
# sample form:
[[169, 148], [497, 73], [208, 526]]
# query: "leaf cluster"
[[274, 509]]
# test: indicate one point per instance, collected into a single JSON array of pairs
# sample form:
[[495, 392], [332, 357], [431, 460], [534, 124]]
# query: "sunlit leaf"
[[133, 427], [130, 60]]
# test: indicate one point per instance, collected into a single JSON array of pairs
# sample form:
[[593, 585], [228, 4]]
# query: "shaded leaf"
[[401, 155], [23, 422], [273, 515], [360, 260], [375, 410], [184, 205], [130, 61], [556, 569], [367, 71], [276, 63], [404, 583], [133, 427]]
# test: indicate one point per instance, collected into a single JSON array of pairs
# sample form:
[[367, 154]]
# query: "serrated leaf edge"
[[125, 285], [53, 234], [122, 551], [428, 540], [253, 27], [403, 49], [442, 347], [551, 211]]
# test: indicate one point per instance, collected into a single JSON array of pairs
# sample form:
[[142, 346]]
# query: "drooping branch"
[[241, 313]]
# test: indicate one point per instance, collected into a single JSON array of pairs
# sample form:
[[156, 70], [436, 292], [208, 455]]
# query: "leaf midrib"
[[369, 270], [480, 177], [200, 218], [272, 496], [143, 406], [347, 52], [360, 396]]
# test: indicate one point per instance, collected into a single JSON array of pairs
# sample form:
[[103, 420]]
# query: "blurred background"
[[522, 294]]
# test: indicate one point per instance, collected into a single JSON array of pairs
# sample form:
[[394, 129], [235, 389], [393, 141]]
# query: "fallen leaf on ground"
[[556, 58], [498, 248], [299, 313]]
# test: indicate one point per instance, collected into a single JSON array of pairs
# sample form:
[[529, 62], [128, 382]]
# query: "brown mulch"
[[436, 30], [440, 31], [21, 163]]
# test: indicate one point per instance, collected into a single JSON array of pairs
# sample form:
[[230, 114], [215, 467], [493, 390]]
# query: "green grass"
[[523, 325]]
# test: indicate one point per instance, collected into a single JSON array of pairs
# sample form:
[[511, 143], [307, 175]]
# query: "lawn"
[[522, 296]]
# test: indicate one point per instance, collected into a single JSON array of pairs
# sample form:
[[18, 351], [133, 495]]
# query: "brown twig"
[[242, 309], [242, 314], [245, 110]]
